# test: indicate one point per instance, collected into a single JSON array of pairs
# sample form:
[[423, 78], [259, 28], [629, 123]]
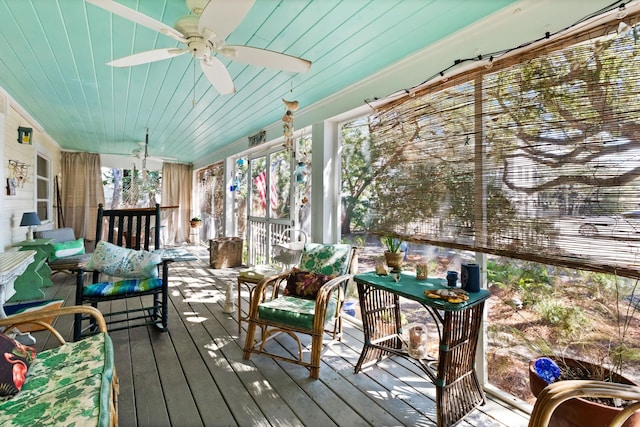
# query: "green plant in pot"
[[196, 222], [620, 306], [394, 255]]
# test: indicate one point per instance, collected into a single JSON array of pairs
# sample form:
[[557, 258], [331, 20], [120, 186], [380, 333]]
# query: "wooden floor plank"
[[206, 392], [223, 347], [146, 378], [124, 369], [195, 374]]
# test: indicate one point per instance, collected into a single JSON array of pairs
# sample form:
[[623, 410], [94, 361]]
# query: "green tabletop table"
[[458, 390]]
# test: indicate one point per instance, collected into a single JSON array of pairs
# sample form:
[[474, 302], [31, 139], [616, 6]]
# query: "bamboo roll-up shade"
[[539, 160]]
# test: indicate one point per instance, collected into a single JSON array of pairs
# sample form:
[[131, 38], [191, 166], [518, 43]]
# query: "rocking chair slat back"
[[123, 226]]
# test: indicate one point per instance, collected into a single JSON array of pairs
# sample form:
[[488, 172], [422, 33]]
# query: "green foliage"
[[357, 177], [359, 241], [570, 320], [391, 244], [529, 279]]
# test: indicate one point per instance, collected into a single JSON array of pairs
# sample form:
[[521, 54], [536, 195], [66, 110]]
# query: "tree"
[[358, 175], [573, 114]]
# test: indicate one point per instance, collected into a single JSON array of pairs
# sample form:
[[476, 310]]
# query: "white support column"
[[230, 222], [481, 356], [4, 214], [325, 190]]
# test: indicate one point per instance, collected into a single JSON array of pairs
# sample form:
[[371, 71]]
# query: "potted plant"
[[591, 363], [196, 222], [394, 255], [578, 412]]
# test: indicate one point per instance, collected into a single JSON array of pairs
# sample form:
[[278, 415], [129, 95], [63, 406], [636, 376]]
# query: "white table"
[[12, 265]]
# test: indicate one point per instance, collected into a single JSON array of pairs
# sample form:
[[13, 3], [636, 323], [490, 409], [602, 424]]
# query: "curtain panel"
[[82, 191], [210, 186], [177, 183], [538, 159]]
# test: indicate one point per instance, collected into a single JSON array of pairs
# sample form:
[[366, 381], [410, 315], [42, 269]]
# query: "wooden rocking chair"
[[123, 241]]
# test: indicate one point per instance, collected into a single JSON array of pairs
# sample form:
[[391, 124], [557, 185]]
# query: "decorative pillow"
[[123, 262], [326, 259], [305, 284], [15, 360], [65, 249]]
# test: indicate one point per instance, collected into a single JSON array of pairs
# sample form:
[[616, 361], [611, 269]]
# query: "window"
[[43, 188], [533, 160], [131, 188]]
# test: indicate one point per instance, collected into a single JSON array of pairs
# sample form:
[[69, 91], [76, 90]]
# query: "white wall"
[[12, 116]]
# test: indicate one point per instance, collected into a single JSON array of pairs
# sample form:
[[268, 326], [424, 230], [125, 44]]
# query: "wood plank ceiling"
[[53, 56]]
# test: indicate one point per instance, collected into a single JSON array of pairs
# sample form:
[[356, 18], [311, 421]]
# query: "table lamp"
[[29, 219]]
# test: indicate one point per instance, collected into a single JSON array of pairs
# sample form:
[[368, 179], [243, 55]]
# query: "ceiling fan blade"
[[146, 57], [218, 75], [138, 18], [220, 17], [266, 58]]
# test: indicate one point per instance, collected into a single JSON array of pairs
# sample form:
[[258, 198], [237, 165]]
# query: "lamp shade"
[[29, 218]]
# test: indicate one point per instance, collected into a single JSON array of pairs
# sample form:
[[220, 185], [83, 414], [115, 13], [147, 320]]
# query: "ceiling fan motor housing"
[[199, 47]]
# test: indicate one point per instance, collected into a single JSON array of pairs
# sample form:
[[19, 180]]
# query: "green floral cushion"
[[68, 385], [66, 249], [15, 360], [74, 404], [123, 262], [330, 260], [305, 284], [294, 311]]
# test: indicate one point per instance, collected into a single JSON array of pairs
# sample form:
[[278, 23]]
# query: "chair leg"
[[77, 319], [77, 327], [164, 311], [316, 350], [248, 341]]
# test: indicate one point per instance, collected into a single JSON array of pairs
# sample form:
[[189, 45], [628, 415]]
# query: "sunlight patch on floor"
[[194, 317]]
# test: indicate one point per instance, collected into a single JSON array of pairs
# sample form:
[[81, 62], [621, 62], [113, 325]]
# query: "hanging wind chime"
[[287, 123]]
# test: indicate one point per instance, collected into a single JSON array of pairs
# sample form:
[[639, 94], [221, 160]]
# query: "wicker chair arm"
[[326, 292], [39, 316], [556, 393], [274, 283]]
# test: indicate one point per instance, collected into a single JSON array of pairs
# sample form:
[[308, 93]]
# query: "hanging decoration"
[[287, 123], [24, 135], [258, 138], [236, 181], [301, 173], [18, 173]]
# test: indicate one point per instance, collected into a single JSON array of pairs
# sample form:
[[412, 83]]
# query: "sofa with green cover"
[[71, 384]]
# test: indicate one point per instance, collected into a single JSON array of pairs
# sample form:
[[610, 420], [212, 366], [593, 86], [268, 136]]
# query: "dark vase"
[[580, 412]]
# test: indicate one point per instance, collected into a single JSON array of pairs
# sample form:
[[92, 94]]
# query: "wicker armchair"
[[556, 393], [306, 301]]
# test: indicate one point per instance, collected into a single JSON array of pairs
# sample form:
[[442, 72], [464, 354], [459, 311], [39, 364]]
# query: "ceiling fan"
[[142, 152], [203, 33]]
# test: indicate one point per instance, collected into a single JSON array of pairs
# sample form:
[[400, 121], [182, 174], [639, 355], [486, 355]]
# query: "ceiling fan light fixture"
[[199, 48]]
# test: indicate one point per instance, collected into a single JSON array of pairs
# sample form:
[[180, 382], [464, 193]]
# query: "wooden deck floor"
[[195, 375]]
